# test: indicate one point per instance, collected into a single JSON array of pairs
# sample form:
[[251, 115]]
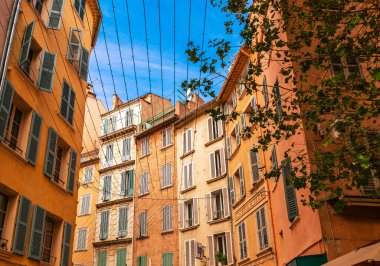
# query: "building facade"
[[42, 120]]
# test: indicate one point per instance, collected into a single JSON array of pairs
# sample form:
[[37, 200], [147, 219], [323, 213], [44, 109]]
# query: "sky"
[[100, 73]]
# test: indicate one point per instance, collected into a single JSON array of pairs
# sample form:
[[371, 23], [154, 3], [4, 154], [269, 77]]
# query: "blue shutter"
[[21, 227], [66, 241], [71, 172], [37, 234], [45, 80], [34, 138], [55, 14], [290, 193], [104, 218], [50, 153], [123, 222], [6, 100], [26, 42], [83, 64]]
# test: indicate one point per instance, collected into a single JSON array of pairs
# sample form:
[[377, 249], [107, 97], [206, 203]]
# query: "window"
[[167, 259], [109, 125], [262, 229], [217, 205], [83, 63], [167, 218], [187, 175], [243, 120], [109, 155], [236, 134], [274, 164], [265, 91], [187, 141], [104, 223], [242, 241], [67, 102], [82, 239], [233, 98], [229, 146], [220, 245], [190, 252], [126, 156], [142, 261], [80, 6], [189, 221], [277, 99], [241, 86], [85, 204], [166, 137], [217, 163], [239, 175], [129, 118], [74, 48], [55, 14], [50, 225], [144, 146], [3, 212], [189, 213], [123, 222], [231, 187], [106, 188], [144, 184], [127, 183], [255, 166], [345, 67], [121, 257], [214, 128], [88, 175], [290, 192], [226, 110], [143, 224], [166, 175], [38, 4], [102, 258]]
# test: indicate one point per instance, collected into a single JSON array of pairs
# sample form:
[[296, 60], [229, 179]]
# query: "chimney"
[[90, 91], [116, 101]]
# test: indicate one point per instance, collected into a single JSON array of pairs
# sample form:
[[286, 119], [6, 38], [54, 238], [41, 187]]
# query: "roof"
[[97, 17], [196, 113]]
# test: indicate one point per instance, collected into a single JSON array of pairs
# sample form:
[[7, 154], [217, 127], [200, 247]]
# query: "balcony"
[[116, 127], [164, 116]]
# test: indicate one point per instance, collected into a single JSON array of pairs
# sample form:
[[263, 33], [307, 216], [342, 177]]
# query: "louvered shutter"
[[167, 259], [102, 258], [184, 143], [104, 217], [230, 258], [243, 124], [131, 178], [26, 42], [226, 204], [121, 259], [70, 113], [123, 222], [107, 188], [5, 106], [187, 253], [210, 131], [71, 172], [74, 45], [34, 138], [229, 147], [222, 161], [50, 153], [189, 141], [55, 14], [65, 99], [211, 255], [192, 252], [196, 211], [190, 172], [83, 65], [185, 177], [208, 207], [220, 128], [212, 165], [45, 81], [255, 169], [123, 184], [277, 97], [233, 96], [181, 212], [21, 227], [265, 91], [36, 236], [241, 180], [66, 241], [231, 187], [290, 193], [237, 134]]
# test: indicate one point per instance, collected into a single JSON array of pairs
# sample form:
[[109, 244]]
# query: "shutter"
[[70, 115], [107, 188], [211, 255], [237, 134], [265, 91], [21, 227], [26, 42], [123, 184], [192, 252], [255, 166], [164, 218], [121, 257], [5, 106], [230, 258], [185, 177], [180, 215], [208, 207], [226, 204], [34, 138], [223, 161], [212, 165], [231, 185], [243, 125], [191, 178], [259, 231], [72, 170], [104, 225], [123, 222], [102, 258], [290, 193], [209, 126], [196, 211], [241, 179], [74, 46], [264, 228], [50, 153], [67, 228], [184, 143], [253, 105], [229, 148], [167, 259], [187, 253], [55, 14], [45, 81], [83, 65], [145, 215], [220, 127], [131, 178], [36, 236], [189, 148]]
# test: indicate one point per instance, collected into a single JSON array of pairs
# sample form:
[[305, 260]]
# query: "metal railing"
[[13, 146], [3, 243], [190, 222], [219, 214], [118, 124], [156, 119], [47, 257]]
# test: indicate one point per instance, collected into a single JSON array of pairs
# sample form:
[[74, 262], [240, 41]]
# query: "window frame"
[[78, 239]]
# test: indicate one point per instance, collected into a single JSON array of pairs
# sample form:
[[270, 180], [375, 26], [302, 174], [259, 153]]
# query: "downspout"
[[8, 41]]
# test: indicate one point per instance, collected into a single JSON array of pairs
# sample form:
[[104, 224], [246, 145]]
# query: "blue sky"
[[214, 29]]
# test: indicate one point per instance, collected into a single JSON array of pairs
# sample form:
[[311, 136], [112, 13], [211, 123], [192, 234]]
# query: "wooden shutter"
[[45, 80], [123, 183], [226, 203], [222, 161], [185, 177], [290, 193], [211, 255], [34, 138], [212, 165], [70, 113], [187, 253], [102, 258], [262, 228], [237, 134], [229, 147], [167, 259], [181, 213], [121, 259], [265, 91], [72, 170], [243, 124], [234, 103], [104, 216], [277, 97], [184, 143], [190, 172], [66, 241], [21, 226], [230, 258], [231, 187], [107, 187], [65, 99], [26, 42], [37, 234], [189, 140], [130, 184], [192, 253], [255, 169], [208, 207], [210, 131], [241, 179], [5, 106], [50, 153], [83, 65], [55, 14], [196, 211], [220, 127], [123, 222]]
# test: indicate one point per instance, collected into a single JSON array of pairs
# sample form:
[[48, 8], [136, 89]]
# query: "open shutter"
[[70, 114], [211, 255], [26, 42], [230, 258], [34, 138], [55, 14], [6, 100], [83, 65], [121, 259], [254, 166], [220, 127], [180, 215], [71, 174], [222, 161], [131, 178], [65, 99], [45, 81], [208, 207], [209, 127], [37, 234], [229, 147], [226, 204], [212, 165], [196, 211], [241, 180], [123, 184], [237, 134], [290, 193], [184, 144], [191, 177], [102, 258], [66, 241], [189, 141], [21, 227], [50, 153], [231, 186]]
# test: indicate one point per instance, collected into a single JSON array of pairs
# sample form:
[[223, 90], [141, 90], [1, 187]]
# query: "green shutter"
[[6, 100], [290, 193], [123, 222], [55, 14], [26, 42], [21, 227], [121, 257], [167, 259], [65, 99], [50, 153], [141, 261], [102, 257], [45, 81], [104, 217], [70, 113], [71, 172], [66, 241], [37, 234], [34, 138], [131, 178], [83, 65]]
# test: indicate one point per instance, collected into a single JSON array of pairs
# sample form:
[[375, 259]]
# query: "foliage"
[[328, 52], [220, 257]]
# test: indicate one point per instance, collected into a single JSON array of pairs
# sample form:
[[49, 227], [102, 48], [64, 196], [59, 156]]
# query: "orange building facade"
[[42, 119]]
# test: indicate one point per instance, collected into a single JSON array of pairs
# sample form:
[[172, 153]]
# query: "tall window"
[[3, 212], [85, 204], [265, 91], [187, 175], [123, 222], [189, 213], [290, 192], [262, 228], [126, 156], [88, 175], [189, 253], [80, 6], [277, 99], [187, 141], [166, 175], [167, 218], [67, 103], [217, 163], [218, 203], [82, 239], [242, 241], [214, 129], [109, 155], [127, 183], [106, 188], [143, 224], [145, 146], [144, 184], [166, 137], [129, 118], [74, 47], [104, 224], [239, 175], [48, 240], [255, 166], [274, 163]]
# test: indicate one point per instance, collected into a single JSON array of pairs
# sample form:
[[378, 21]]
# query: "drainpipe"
[[9, 41]]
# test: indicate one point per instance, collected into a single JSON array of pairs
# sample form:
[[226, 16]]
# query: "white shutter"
[[229, 147], [241, 180], [211, 248], [209, 207], [212, 165]]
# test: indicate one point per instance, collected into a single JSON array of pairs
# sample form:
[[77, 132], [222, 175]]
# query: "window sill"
[[256, 185], [214, 140], [60, 188], [294, 223], [167, 232], [142, 237], [187, 189], [84, 215], [145, 155], [189, 228], [169, 186], [264, 252], [216, 178], [66, 122], [5, 253], [167, 147], [13, 153], [81, 250], [187, 154], [243, 260], [219, 220], [238, 202], [143, 195]]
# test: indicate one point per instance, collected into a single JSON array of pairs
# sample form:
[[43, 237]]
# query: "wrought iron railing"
[[13, 146]]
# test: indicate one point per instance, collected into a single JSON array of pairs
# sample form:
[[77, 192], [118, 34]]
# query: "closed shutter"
[[212, 165], [262, 228], [265, 91], [185, 181], [123, 184], [277, 98], [209, 207], [55, 14], [225, 202], [130, 184], [243, 124], [209, 127], [102, 258], [141, 261], [36, 236], [121, 259], [211, 255], [26, 42], [34, 138], [196, 211], [274, 163], [72, 170], [180, 215], [123, 222], [83, 65], [237, 134], [253, 105], [184, 143], [223, 161], [192, 252], [66, 241], [241, 180], [230, 258], [70, 113], [21, 227], [45, 81], [189, 141], [229, 147], [106, 188], [233, 96], [167, 259], [231, 187], [126, 149], [5, 106], [104, 218], [290, 193], [187, 253], [255, 168], [220, 127], [50, 153], [190, 172]]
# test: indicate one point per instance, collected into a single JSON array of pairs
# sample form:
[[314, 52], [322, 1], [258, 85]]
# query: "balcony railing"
[[118, 124], [158, 118], [3, 243], [47, 257], [218, 214], [13, 146], [189, 222]]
